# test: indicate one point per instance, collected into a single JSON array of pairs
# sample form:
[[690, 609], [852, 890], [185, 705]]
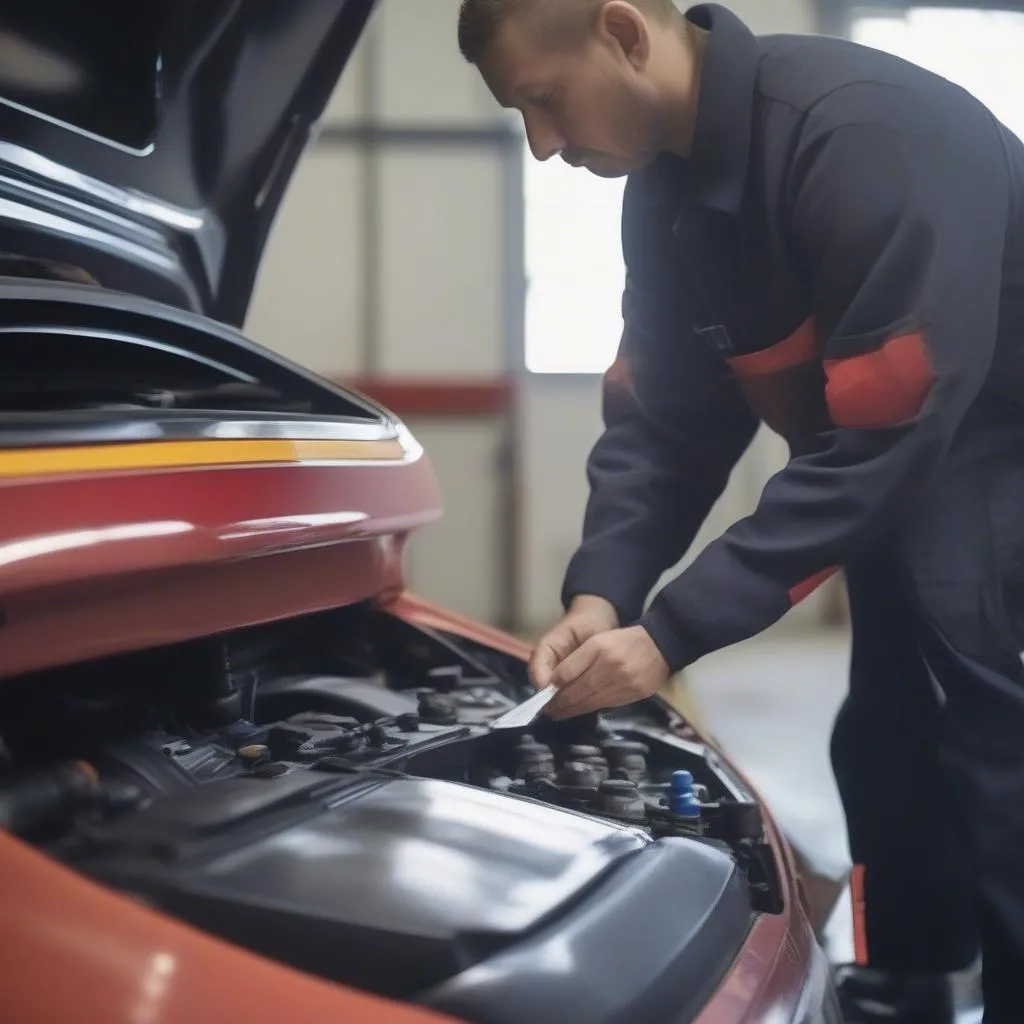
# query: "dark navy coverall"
[[842, 258]]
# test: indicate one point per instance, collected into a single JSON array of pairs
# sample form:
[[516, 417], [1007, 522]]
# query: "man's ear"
[[621, 25]]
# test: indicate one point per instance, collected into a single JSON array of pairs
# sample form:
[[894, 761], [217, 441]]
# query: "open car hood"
[[151, 143]]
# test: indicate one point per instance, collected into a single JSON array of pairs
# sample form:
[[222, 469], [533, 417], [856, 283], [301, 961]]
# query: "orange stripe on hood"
[[176, 454]]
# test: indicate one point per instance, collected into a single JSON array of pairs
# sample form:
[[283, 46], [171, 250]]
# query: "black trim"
[[436, 137], [682, 907], [42, 305]]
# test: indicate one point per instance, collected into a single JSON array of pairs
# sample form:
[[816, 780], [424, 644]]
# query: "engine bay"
[[328, 791]]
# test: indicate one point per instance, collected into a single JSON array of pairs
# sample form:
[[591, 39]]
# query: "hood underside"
[[150, 144]]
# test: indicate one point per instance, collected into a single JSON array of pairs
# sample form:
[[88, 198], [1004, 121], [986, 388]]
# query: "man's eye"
[[543, 101]]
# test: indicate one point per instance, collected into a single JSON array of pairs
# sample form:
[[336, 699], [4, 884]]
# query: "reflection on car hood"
[[151, 143]]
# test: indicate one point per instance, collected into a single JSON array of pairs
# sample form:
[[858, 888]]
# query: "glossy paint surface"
[[59, 530], [93, 563], [71, 950], [96, 618]]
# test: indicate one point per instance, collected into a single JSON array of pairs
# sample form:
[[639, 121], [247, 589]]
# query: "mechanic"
[[823, 238]]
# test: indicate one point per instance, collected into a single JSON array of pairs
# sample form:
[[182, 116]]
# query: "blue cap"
[[684, 803]]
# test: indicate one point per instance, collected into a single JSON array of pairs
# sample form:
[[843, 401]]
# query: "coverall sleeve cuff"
[[607, 579], [669, 636]]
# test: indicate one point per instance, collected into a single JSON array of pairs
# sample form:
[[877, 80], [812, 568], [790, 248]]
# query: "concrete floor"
[[770, 703]]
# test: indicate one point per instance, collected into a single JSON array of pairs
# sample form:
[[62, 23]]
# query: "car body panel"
[[93, 565], [172, 525], [75, 950]]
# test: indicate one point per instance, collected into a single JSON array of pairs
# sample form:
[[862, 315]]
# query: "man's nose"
[[544, 139]]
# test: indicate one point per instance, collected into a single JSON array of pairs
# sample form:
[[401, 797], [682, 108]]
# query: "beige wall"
[[443, 283], [431, 245]]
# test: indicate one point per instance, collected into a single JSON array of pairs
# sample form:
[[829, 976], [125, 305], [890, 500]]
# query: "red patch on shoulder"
[[882, 388]]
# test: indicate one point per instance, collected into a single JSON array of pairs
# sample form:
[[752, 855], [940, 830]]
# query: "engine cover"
[[401, 885]]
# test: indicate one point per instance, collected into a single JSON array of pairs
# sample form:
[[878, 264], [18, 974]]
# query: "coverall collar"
[[717, 166]]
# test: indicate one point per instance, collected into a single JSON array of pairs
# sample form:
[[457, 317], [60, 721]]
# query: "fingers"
[[573, 631], [559, 643], [609, 670], [585, 680], [589, 693], [581, 698], [573, 665], [542, 664]]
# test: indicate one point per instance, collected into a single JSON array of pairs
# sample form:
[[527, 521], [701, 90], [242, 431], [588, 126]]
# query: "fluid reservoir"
[[683, 801]]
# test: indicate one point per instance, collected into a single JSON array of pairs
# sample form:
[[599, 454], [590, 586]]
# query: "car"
[[245, 774]]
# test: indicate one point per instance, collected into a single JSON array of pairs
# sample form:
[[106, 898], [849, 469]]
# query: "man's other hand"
[[588, 616], [609, 670]]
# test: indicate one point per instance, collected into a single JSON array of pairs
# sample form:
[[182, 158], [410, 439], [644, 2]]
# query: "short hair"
[[565, 20]]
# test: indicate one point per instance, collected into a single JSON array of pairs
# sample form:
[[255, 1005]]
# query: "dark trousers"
[[928, 750]]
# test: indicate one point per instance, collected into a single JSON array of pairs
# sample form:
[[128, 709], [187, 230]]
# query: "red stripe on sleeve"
[[799, 348], [860, 925], [882, 388], [811, 584]]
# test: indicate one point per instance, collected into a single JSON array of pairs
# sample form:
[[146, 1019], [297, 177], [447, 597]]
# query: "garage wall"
[[398, 252], [388, 261]]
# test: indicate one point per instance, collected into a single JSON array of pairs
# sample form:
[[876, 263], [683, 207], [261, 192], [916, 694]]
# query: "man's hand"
[[611, 669], [587, 617]]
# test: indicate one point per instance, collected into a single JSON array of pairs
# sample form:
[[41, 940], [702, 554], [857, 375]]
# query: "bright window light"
[[979, 50], [574, 268]]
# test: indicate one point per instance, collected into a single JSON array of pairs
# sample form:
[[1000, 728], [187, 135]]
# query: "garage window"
[[574, 268], [976, 48]]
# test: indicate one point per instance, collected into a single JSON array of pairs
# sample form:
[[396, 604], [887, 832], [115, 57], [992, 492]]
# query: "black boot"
[[869, 996]]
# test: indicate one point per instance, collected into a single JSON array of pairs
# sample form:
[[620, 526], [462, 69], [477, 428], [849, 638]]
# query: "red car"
[[244, 775]]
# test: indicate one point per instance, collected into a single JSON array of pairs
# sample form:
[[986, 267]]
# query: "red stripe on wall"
[[439, 397], [809, 585], [799, 348], [881, 388]]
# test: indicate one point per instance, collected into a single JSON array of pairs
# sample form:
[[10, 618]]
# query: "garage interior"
[[423, 256]]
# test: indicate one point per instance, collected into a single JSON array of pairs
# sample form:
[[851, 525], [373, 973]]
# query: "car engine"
[[328, 792]]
